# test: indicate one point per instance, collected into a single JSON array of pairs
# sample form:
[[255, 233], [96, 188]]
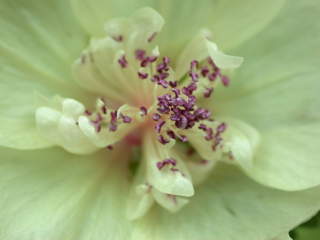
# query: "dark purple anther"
[[113, 127], [109, 147], [126, 119], [140, 54], [162, 140], [104, 109], [145, 62], [142, 75], [225, 81], [183, 138], [209, 135], [159, 125], [165, 162], [194, 76], [203, 127], [213, 76], [144, 111], [207, 92], [194, 65], [171, 134], [123, 61], [87, 113], [160, 165], [114, 116], [173, 84], [221, 128], [166, 60], [204, 71], [153, 59], [156, 117]]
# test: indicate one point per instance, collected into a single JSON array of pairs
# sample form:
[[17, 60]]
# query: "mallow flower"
[[158, 119]]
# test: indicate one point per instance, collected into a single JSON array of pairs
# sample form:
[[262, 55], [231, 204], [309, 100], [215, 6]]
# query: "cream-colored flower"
[[127, 119]]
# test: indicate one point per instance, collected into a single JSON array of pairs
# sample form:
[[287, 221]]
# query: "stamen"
[[123, 61], [143, 110]]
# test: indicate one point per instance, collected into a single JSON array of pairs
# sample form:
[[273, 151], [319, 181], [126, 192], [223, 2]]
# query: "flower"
[[139, 133]]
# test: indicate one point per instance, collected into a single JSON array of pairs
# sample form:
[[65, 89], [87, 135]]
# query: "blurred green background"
[[308, 231]]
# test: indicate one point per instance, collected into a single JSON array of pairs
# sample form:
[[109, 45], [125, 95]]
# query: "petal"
[[165, 179], [286, 115], [232, 22], [283, 237], [288, 158], [281, 98], [201, 48], [231, 207], [81, 197], [285, 49], [39, 41], [20, 134]]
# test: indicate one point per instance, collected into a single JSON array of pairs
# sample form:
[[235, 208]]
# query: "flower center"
[[148, 101]]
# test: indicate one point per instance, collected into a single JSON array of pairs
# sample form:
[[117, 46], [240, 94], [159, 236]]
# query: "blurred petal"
[[230, 21], [227, 207], [50, 194], [39, 41]]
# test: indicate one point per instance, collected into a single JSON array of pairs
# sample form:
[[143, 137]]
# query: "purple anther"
[[140, 54], [114, 115], [143, 110], [109, 147], [159, 126], [166, 162], [113, 127], [183, 138], [98, 119], [221, 128], [173, 84], [123, 61], [171, 134], [203, 127], [160, 165], [205, 71], [153, 59], [145, 62], [156, 117], [125, 119], [87, 113], [194, 65], [104, 109], [142, 75], [225, 80], [166, 60], [194, 76], [207, 92], [162, 140], [176, 91], [209, 135], [163, 83], [213, 76], [152, 37]]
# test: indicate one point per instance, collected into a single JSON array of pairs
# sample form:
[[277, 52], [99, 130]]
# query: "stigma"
[[149, 101]]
